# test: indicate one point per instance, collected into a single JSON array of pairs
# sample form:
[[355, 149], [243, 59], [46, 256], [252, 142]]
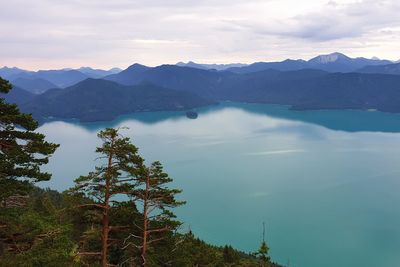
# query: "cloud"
[[59, 33], [276, 152], [331, 22], [348, 21]]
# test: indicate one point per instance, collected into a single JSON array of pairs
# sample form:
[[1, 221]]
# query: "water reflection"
[[343, 120], [326, 195]]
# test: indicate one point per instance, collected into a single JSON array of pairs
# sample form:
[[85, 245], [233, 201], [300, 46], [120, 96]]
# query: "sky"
[[50, 34]]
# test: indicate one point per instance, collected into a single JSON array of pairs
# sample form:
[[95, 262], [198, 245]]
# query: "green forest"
[[119, 214]]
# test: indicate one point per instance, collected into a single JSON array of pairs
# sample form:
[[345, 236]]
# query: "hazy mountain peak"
[[330, 58], [6, 72], [293, 60], [85, 68], [191, 64], [115, 70], [214, 66], [33, 85], [137, 66], [10, 68]]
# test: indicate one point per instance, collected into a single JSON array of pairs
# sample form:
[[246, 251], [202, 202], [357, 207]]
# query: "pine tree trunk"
[[106, 216], [104, 235], [145, 221]]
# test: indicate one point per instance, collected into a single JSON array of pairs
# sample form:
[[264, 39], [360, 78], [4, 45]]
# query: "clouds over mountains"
[[58, 33]]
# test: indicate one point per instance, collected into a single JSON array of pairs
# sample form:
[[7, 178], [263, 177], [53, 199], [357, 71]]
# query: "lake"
[[326, 183]]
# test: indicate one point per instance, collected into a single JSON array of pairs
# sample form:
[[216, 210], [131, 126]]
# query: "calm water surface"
[[325, 182]]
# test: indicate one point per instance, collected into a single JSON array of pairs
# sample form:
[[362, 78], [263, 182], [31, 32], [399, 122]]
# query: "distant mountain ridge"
[[18, 96], [6, 72], [335, 62], [286, 65], [313, 84], [125, 76], [61, 78], [382, 69], [97, 100], [169, 87], [210, 66], [42, 80], [98, 73], [199, 81], [303, 89], [33, 85]]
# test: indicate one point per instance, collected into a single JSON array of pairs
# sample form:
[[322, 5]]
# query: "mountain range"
[[303, 89], [97, 99], [42, 80], [383, 69], [192, 64], [335, 62], [18, 96], [314, 84], [33, 85]]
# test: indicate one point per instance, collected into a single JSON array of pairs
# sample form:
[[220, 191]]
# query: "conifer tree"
[[157, 199], [262, 252], [230, 255], [109, 180], [22, 151]]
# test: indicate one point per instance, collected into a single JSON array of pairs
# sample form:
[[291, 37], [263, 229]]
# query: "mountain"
[[115, 70], [17, 96], [97, 100], [335, 62], [6, 72], [35, 85], [302, 89], [383, 69], [61, 78], [202, 82], [39, 81], [192, 64], [330, 58], [171, 87], [307, 90], [287, 65], [127, 76], [97, 73]]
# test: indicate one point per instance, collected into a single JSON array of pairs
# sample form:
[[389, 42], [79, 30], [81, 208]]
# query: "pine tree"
[[22, 151], [157, 199], [262, 252], [230, 255], [36, 235], [109, 180]]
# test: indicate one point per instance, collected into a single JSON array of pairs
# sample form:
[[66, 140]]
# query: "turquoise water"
[[325, 182]]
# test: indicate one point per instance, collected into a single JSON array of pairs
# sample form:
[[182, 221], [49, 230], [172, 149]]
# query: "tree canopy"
[[22, 150]]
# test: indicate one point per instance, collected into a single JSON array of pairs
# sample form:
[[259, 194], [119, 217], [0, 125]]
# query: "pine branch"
[[166, 228], [92, 205], [156, 240]]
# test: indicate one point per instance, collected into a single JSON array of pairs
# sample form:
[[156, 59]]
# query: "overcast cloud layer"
[[43, 34]]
